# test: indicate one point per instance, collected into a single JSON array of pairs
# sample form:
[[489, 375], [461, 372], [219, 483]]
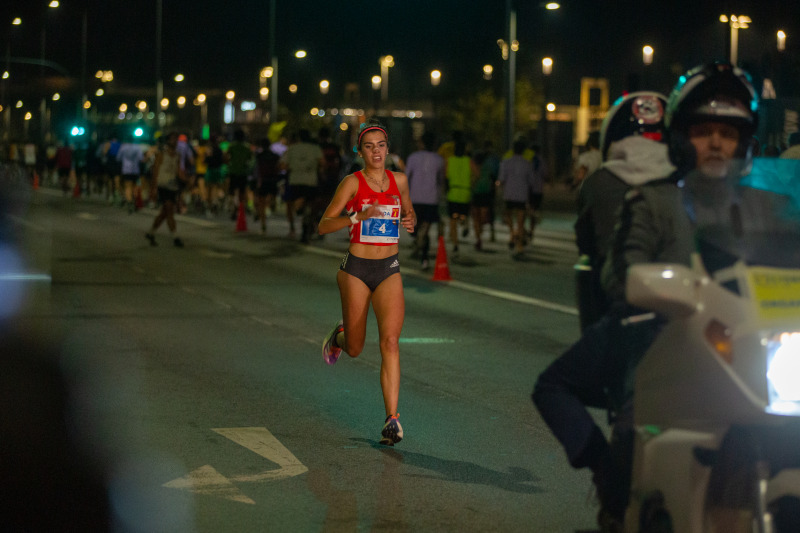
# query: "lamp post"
[[160, 117], [647, 60], [6, 81], [436, 79], [385, 62], [202, 102], [509, 49], [647, 54], [43, 103], [735, 22], [376, 87], [547, 69]]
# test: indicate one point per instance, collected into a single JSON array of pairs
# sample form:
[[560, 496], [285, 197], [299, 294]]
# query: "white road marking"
[[425, 340], [470, 287], [215, 255], [206, 480]]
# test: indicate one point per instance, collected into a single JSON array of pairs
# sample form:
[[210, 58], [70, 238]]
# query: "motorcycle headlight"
[[783, 372]]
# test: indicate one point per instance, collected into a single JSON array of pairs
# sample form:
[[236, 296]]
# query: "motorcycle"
[[716, 403]]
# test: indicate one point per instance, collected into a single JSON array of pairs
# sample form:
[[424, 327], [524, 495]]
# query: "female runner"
[[376, 202]]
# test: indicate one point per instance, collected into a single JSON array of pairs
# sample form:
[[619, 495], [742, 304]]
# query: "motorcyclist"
[[631, 142], [711, 117]]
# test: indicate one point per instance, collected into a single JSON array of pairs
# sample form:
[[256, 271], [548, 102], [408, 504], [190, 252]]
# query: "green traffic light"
[[138, 132]]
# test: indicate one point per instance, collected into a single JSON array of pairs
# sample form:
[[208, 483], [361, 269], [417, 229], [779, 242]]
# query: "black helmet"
[[718, 92], [639, 113]]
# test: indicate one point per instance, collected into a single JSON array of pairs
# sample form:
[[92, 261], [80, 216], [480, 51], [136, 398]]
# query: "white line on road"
[[504, 295]]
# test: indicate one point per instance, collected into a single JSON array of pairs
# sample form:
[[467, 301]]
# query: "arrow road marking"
[[261, 441], [206, 480]]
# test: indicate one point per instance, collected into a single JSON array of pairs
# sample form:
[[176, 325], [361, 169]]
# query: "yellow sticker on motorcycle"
[[776, 292]]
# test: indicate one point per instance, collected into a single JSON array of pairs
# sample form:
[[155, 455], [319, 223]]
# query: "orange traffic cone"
[[441, 271], [241, 223]]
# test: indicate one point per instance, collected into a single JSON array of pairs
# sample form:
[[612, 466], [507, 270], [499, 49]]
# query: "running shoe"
[[152, 238], [392, 431], [330, 351]]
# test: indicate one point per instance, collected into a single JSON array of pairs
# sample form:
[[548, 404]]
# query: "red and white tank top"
[[383, 230]]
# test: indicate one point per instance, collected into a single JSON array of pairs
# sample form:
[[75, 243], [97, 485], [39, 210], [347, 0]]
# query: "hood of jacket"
[[637, 160]]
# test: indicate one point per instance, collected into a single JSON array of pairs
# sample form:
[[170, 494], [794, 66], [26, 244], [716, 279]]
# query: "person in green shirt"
[[459, 170]]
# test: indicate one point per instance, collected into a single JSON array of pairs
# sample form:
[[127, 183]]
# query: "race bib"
[[383, 229]]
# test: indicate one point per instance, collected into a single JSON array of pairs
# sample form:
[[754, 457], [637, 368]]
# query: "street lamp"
[[324, 85], [647, 54], [487, 72], [386, 62], [509, 49], [547, 66], [781, 40], [436, 78], [547, 70], [229, 114], [735, 22], [201, 101]]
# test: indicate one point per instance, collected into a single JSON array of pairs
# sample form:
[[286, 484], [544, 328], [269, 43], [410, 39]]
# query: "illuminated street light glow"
[[547, 66], [487, 72], [19, 104], [647, 54], [53, 4], [56, 97], [376, 82], [123, 108], [293, 88], [28, 115], [230, 95], [386, 62], [164, 103], [99, 92], [324, 85], [551, 107], [436, 77], [6, 75], [264, 93], [179, 77], [781, 40], [300, 54], [181, 101], [266, 72], [16, 22], [201, 98], [141, 105], [552, 5], [87, 104], [735, 22]]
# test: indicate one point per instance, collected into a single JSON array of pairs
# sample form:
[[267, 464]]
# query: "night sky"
[[224, 44]]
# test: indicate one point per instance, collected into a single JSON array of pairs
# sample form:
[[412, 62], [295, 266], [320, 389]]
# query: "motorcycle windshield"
[[749, 215]]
